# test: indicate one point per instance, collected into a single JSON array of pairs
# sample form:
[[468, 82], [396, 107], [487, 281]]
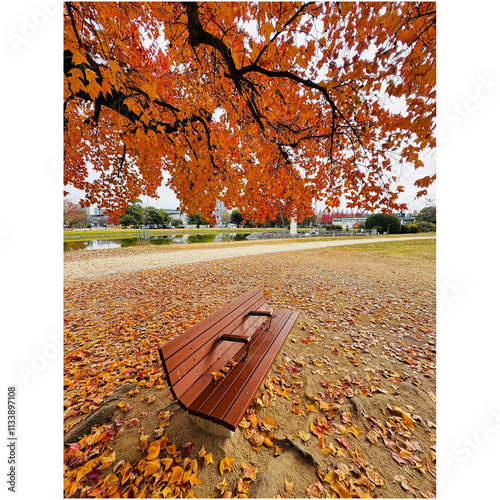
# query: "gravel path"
[[100, 266]]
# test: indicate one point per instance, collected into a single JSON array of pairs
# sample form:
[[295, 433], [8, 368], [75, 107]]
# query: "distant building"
[[176, 214], [96, 216]]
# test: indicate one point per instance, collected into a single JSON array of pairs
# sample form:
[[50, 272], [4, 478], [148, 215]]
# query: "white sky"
[[31, 290]]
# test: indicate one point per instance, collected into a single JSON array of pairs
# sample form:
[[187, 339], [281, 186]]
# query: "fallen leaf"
[[226, 464], [354, 429], [217, 375], [249, 471], [153, 450], [289, 488], [177, 473], [207, 459], [303, 435]]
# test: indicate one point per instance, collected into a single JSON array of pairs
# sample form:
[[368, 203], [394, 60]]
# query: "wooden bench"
[[245, 334]]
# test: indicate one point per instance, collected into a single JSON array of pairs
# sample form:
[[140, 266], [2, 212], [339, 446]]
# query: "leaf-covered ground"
[[347, 409]]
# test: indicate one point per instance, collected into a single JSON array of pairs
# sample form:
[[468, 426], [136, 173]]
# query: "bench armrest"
[[261, 313], [236, 338], [243, 339]]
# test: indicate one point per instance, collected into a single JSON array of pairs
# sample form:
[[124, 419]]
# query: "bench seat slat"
[[199, 376], [232, 417], [177, 343], [204, 342], [213, 393]]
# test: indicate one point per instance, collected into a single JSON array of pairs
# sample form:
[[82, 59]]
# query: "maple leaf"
[[249, 471], [154, 450], [217, 375], [226, 464]]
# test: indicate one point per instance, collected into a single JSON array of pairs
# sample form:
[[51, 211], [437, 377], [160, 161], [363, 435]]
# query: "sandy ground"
[[348, 407], [127, 261]]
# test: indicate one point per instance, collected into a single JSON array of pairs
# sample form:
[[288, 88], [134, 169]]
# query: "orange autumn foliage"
[[265, 106]]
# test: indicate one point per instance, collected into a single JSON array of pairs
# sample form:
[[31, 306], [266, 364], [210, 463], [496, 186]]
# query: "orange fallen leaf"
[[85, 469], [249, 471], [289, 487], [242, 486], [207, 459], [341, 490], [222, 486], [153, 450], [354, 429], [167, 462], [303, 435], [177, 473], [217, 375], [226, 464]]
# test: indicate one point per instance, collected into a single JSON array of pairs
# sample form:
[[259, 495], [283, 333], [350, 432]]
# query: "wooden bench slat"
[[199, 337], [194, 352], [213, 393], [190, 386], [231, 417], [192, 333]]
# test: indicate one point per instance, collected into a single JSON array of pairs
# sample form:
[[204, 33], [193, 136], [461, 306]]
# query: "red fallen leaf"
[[94, 474], [306, 341], [186, 449], [343, 442], [399, 460], [144, 414], [119, 421], [291, 369], [73, 448], [134, 421]]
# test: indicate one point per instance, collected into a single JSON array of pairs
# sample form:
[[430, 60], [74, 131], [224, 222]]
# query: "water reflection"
[[70, 246]]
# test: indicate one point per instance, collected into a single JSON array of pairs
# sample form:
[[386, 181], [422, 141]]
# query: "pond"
[[168, 239]]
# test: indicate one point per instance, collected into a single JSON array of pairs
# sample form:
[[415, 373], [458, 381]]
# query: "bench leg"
[[211, 427]]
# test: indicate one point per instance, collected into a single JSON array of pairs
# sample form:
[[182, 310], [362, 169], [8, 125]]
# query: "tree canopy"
[[259, 105]]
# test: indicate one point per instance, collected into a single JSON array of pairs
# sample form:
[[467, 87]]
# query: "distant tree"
[[197, 220], [326, 218], [427, 214], [74, 216], [236, 217], [177, 222], [226, 219], [156, 216], [133, 216], [389, 222]]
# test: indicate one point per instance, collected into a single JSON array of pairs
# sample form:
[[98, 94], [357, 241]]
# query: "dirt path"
[[100, 266]]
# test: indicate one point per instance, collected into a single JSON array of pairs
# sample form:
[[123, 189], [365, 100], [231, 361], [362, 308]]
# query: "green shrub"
[[413, 228], [389, 222], [425, 227], [404, 229], [337, 227], [379, 229], [329, 227]]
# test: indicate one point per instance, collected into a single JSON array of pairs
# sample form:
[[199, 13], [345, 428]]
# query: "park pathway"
[[99, 266]]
